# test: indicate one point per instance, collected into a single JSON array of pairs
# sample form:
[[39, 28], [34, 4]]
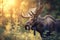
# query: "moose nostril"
[[27, 27]]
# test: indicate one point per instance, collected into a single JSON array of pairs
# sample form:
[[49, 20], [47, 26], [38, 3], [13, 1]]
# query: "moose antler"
[[39, 11], [30, 15], [24, 16]]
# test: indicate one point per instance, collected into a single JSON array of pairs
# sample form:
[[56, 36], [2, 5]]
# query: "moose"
[[41, 24]]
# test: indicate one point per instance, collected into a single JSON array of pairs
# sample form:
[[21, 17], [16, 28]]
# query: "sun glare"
[[20, 5], [8, 4]]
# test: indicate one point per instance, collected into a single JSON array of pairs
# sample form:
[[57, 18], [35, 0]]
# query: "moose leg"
[[41, 33], [34, 28], [47, 30]]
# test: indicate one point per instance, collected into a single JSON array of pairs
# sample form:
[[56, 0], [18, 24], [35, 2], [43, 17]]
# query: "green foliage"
[[1, 30]]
